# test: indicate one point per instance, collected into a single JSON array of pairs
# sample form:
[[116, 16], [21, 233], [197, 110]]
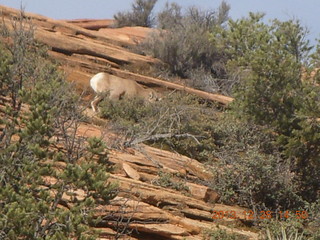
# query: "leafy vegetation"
[[271, 93], [50, 179], [248, 160], [268, 63], [271, 130]]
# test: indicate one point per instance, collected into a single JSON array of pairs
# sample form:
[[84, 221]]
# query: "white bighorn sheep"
[[103, 83]]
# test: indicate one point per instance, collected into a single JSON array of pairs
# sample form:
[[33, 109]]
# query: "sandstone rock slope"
[[85, 47]]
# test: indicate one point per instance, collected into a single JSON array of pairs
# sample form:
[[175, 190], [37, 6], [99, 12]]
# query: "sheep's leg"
[[95, 102], [116, 95]]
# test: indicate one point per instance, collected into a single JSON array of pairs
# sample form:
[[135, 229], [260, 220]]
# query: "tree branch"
[[161, 136]]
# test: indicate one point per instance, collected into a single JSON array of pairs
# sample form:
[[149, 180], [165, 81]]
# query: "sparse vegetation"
[[220, 234], [178, 122], [168, 180]]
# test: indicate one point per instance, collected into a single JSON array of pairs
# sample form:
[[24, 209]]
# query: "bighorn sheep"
[[103, 83]]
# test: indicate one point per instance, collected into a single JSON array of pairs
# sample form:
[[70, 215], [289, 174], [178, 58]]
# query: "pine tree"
[[50, 180]]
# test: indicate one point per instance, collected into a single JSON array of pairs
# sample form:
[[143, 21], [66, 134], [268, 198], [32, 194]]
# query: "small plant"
[[285, 234], [128, 111], [220, 234], [289, 229], [166, 180]]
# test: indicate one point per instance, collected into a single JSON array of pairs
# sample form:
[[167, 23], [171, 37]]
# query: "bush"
[[140, 15], [281, 230], [178, 122], [206, 81], [245, 180], [269, 93], [185, 45], [170, 17], [303, 144], [248, 159]]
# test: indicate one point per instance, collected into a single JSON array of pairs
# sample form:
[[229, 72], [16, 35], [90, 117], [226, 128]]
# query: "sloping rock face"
[[92, 24], [144, 208], [156, 212], [83, 52]]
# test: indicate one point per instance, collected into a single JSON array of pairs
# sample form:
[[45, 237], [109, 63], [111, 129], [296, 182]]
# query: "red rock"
[[202, 192], [130, 171], [92, 24]]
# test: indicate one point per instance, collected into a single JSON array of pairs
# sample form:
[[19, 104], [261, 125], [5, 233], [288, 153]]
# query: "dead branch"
[[160, 136]]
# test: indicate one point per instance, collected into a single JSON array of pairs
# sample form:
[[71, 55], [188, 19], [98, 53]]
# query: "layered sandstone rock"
[[83, 52], [85, 47]]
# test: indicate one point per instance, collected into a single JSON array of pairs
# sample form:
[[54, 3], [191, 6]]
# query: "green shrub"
[[5, 60], [250, 171], [290, 233], [303, 144], [140, 15], [270, 92], [256, 180], [131, 110]]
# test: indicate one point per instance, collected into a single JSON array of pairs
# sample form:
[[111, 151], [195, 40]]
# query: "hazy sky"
[[307, 11]]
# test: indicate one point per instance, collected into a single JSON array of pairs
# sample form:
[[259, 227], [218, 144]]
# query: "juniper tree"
[[269, 58]]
